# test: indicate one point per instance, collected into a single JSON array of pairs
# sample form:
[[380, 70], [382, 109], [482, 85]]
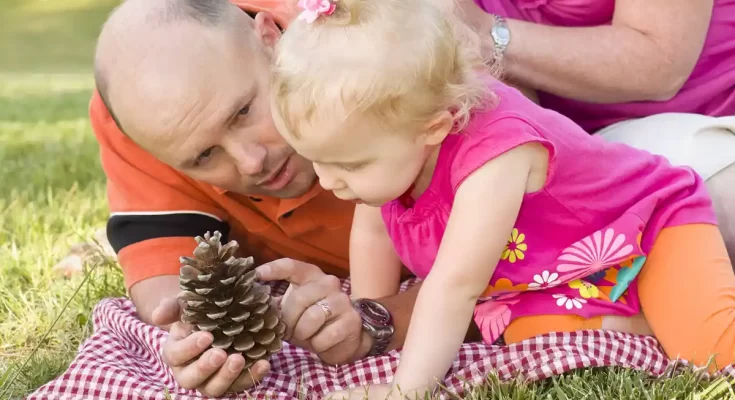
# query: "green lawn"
[[53, 196], [52, 186]]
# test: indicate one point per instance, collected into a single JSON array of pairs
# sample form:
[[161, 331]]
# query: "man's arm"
[[149, 294], [340, 339]]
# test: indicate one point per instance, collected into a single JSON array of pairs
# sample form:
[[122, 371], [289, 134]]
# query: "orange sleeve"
[[155, 211]]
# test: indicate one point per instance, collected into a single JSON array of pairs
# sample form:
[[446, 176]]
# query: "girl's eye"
[[351, 168], [244, 111]]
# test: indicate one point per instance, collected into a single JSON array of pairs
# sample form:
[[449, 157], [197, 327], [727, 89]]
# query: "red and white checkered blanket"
[[122, 360]]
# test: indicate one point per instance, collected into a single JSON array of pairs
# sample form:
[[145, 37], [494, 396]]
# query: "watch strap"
[[381, 339], [501, 36]]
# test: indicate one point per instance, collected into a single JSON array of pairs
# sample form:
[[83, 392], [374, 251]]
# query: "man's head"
[[188, 81]]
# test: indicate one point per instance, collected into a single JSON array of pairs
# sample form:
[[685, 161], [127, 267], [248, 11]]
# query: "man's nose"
[[249, 158]]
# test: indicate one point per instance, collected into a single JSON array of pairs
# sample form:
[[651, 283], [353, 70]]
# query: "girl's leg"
[[687, 293], [528, 327], [707, 144]]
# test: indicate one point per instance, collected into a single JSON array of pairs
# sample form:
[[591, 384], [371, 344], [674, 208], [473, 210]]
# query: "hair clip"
[[313, 9]]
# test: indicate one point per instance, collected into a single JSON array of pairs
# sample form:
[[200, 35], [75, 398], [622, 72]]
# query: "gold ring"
[[325, 307]]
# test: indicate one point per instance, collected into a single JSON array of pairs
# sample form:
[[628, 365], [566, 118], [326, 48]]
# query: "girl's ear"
[[437, 129]]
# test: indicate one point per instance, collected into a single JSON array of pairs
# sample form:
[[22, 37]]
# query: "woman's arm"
[[484, 211], [375, 269], [647, 53]]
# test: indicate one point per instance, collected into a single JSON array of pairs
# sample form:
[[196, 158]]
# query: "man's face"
[[208, 114]]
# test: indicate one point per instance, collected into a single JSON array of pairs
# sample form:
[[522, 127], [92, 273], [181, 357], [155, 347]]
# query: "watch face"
[[502, 36], [374, 313]]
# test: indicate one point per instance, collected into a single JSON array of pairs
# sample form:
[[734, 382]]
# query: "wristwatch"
[[501, 35], [377, 322]]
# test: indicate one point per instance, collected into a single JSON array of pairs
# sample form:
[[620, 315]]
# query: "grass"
[[53, 192], [53, 196]]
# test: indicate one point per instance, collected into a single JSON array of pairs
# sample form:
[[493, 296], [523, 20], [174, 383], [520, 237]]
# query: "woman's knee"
[[721, 187]]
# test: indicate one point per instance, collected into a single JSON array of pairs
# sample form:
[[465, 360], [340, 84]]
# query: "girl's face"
[[363, 163]]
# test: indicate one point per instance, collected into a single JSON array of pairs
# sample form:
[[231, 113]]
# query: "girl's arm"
[[483, 214], [647, 53], [374, 265]]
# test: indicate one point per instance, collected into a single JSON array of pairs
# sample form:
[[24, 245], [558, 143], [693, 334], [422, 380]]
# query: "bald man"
[[187, 143]]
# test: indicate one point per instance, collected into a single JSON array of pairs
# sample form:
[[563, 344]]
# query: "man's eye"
[[203, 156]]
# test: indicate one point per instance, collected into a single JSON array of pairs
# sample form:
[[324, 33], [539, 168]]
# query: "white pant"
[[707, 144]]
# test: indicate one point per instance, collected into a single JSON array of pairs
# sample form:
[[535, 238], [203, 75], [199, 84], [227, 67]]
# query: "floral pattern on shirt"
[[515, 249], [586, 289], [593, 253]]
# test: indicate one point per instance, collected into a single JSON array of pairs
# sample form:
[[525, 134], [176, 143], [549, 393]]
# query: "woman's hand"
[[646, 53]]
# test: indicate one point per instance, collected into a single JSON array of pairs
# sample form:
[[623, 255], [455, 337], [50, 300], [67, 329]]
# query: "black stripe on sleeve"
[[124, 230]]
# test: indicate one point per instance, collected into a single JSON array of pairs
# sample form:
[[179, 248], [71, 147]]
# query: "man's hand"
[[336, 338], [194, 364]]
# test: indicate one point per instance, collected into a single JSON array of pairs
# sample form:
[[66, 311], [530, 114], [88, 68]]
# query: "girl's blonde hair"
[[401, 61]]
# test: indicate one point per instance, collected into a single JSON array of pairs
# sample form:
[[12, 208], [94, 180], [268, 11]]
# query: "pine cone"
[[220, 294]]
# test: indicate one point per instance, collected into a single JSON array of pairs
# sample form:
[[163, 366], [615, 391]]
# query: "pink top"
[[573, 238], [710, 89]]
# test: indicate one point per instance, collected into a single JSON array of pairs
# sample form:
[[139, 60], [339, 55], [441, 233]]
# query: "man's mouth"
[[280, 177]]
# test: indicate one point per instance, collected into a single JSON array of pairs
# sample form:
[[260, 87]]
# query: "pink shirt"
[[601, 209], [710, 89]]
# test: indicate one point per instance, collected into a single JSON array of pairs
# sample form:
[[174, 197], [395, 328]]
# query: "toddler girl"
[[512, 214]]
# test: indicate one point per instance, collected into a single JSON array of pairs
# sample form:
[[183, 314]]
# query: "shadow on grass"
[[47, 107]]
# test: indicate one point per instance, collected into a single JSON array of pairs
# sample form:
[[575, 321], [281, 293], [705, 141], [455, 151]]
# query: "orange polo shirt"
[[156, 211]]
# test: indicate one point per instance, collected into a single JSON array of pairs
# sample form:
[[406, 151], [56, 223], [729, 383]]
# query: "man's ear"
[[437, 129], [266, 29]]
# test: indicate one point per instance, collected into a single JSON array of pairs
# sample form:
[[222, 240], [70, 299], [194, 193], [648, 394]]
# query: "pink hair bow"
[[315, 8]]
